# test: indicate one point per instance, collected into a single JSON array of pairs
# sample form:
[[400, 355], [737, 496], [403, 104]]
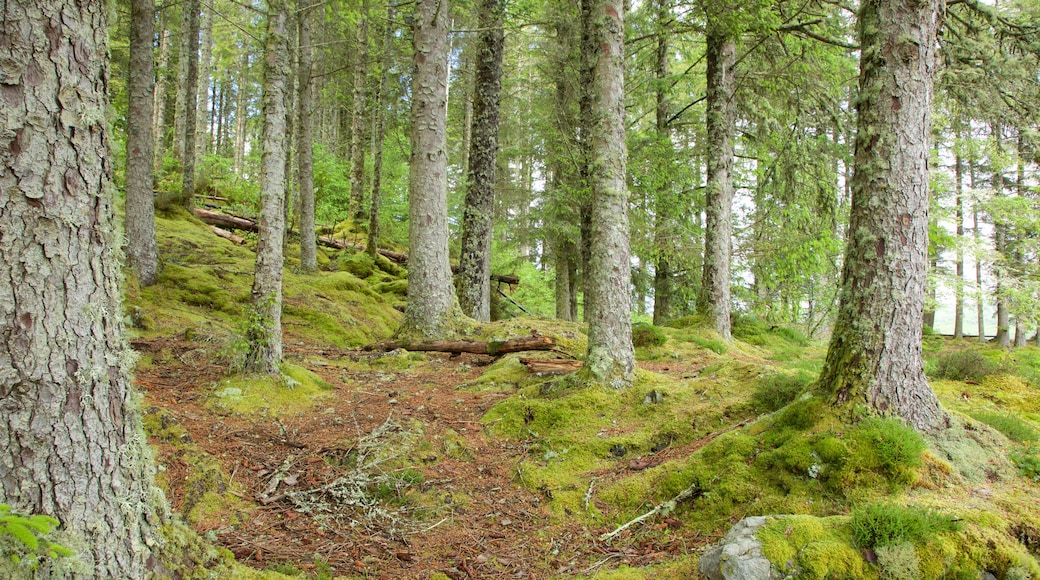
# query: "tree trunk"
[[475, 257], [611, 357], [432, 306], [240, 116], [1003, 336], [159, 96], [71, 442], [875, 350], [264, 333], [379, 133], [203, 138], [714, 297], [304, 147], [142, 251], [563, 251], [1016, 253], [980, 313], [663, 203], [357, 125], [958, 177], [190, 104]]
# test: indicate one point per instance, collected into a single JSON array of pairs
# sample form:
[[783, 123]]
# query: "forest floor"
[[499, 530]]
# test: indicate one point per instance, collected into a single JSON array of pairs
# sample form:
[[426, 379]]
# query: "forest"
[[455, 289]]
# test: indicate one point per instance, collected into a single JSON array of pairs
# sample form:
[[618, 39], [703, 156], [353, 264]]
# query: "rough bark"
[[159, 96], [563, 254], [379, 134], [875, 350], [432, 307], [191, 81], [475, 257], [142, 250], [304, 147], [71, 443], [714, 297], [264, 333], [551, 366], [611, 357], [663, 206], [357, 123]]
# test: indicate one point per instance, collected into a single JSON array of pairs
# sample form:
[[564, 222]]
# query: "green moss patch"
[[295, 390]]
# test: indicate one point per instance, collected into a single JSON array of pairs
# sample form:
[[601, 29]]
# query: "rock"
[[739, 556]]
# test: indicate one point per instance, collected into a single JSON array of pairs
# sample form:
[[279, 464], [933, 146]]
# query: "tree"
[[357, 131], [475, 258], [265, 328], [71, 443], [875, 349], [142, 250], [611, 357], [190, 112], [432, 306], [304, 147], [379, 134]]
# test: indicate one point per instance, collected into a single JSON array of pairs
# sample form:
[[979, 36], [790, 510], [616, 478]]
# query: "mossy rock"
[[395, 287], [361, 265], [293, 390]]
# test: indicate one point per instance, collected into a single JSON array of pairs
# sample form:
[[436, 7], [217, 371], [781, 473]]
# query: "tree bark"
[[977, 234], [304, 147], [203, 138], [432, 307], [379, 133], [875, 350], [493, 347], [714, 297], [240, 116], [611, 356], [159, 96], [264, 333], [71, 442], [475, 257], [142, 250], [958, 178], [1003, 336], [190, 103], [357, 126], [663, 205]]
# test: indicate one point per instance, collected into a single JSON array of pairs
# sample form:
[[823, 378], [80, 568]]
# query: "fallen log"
[[551, 366], [226, 221], [228, 235], [491, 347]]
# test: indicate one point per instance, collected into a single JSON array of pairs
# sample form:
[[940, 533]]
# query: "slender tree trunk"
[[379, 133], [190, 103], [265, 333], [159, 96], [586, 120], [71, 442], [304, 147], [182, 82], [475, 258], [291, 91], [1020, 190], [1003, 336], [611, 357], [203, 138], [977, 234], [663, 207], [721, 125], [240, 116], [875, 349], [432, 307], [563, 281], [142, 251], [958, 176], [357, 126]]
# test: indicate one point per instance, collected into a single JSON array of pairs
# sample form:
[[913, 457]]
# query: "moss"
[[644, 334], [454, 446], [398, 287], [812, 547], [360, 265], [295, 390]]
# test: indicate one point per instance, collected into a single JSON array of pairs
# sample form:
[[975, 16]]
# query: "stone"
[[739, 556]]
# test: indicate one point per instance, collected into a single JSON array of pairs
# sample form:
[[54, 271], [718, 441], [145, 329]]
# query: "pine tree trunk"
[[357, 125], [1003, 336], [714, 297], [203, 137], [182, 82], [379, 133], [304, 148], [240, 117], [142, 251], [875, 350], [475, 258], [980, 313], [431, 306], [71, 443], [611, 357], [265, 332], [159, 97], [958, 177], [190, 104], [563, 281], [664, 200]]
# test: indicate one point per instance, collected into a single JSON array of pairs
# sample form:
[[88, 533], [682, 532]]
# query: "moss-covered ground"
[[421, 465]]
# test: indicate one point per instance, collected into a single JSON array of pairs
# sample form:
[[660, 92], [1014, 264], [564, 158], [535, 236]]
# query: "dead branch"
[[550, 366], [227, 235], [491, 347]]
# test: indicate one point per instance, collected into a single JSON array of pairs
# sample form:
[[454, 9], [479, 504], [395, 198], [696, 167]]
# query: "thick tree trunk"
[[71, 443], [379, 134], [475, 258], [875, 350], [714, 297], [159, 96], [611, 357], [142, 251], [562, 253], [357, 124], [190, 103], [203, 137], [304, 148], [432, 306], [265, 332]]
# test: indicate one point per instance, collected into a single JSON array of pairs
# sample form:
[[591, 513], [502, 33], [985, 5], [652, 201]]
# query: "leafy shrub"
[[963, 365], [644, 334], [888, 524], [1010, 425], [774, 391], [23, 537]]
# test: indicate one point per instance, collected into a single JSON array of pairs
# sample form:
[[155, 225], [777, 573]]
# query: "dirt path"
[[475, 520]]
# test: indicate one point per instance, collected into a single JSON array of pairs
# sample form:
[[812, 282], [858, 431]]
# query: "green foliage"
[[1028, 461], [644, 334], [889, 524], [963, 365], [1010, 425], [23, 538], [776, 390], [897, 447]]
